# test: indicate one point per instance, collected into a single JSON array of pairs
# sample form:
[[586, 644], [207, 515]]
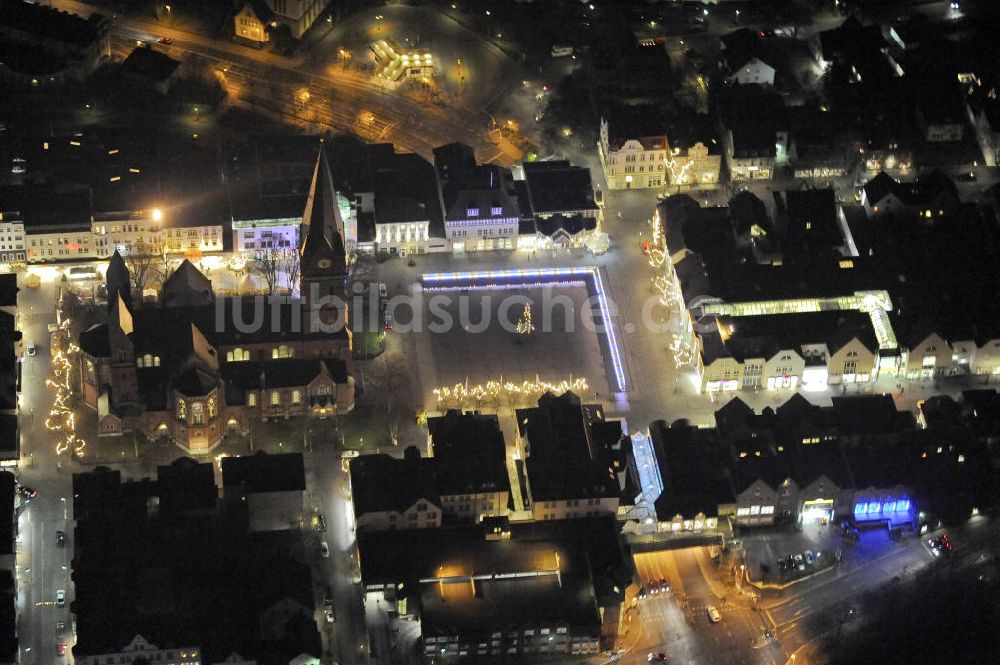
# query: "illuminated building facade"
[[798, 463], [11, 239], [396, 64], [248, 26], [299, 15], [632, 162], [481, 207]]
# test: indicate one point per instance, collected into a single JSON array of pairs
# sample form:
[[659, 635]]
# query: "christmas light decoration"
[[524, 324], [61, 417], [462, 395]]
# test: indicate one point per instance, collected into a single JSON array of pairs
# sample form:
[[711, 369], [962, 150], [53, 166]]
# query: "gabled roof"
[[881, 186], [568, 225], [187, 285]]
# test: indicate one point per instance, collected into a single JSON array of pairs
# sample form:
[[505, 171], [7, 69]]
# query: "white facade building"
[[48, 244], [482, 211], [754, 71], [299, 15], [12, 240], [634, 162], [140, 648], [250, 236]]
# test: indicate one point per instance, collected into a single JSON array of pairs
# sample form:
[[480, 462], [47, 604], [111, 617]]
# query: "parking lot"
[[825, 543]]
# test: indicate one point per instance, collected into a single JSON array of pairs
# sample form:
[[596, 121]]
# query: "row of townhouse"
[[858, 460], [56, 239], [747, 330]]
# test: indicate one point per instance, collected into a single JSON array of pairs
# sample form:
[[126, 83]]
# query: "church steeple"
[[119, 281], [322, 247]]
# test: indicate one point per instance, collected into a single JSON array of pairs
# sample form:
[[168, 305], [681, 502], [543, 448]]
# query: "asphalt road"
[[345, 640], [677, 623], [43, 567]]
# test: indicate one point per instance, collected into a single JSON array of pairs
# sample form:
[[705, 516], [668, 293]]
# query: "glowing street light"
[[157, 214]]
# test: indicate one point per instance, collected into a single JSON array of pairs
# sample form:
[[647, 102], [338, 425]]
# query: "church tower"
[[323, 259], [124, 379]]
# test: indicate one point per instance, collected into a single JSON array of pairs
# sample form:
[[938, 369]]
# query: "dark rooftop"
[[265, 473], [149, 64], [382, 483], [693, 466], [559, 187], [562, 462], [591, 556], [50, 23]]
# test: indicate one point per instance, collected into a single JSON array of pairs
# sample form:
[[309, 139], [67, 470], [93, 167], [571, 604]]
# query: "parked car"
[[383, 292], [330, 616], [657, 658], [61, 597], [32, 349], [800, 562], [324, 550], [61, 648], [810, 557], [60, 538], [328, 595], [321, 523], [713, 614]]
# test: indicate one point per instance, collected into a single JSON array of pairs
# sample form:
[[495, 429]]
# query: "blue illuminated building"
[[894, 509]]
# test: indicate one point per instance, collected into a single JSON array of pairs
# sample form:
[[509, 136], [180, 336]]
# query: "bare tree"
[[392, 379], [271, 263], [143, 262], [289, 265], [265, 263]]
